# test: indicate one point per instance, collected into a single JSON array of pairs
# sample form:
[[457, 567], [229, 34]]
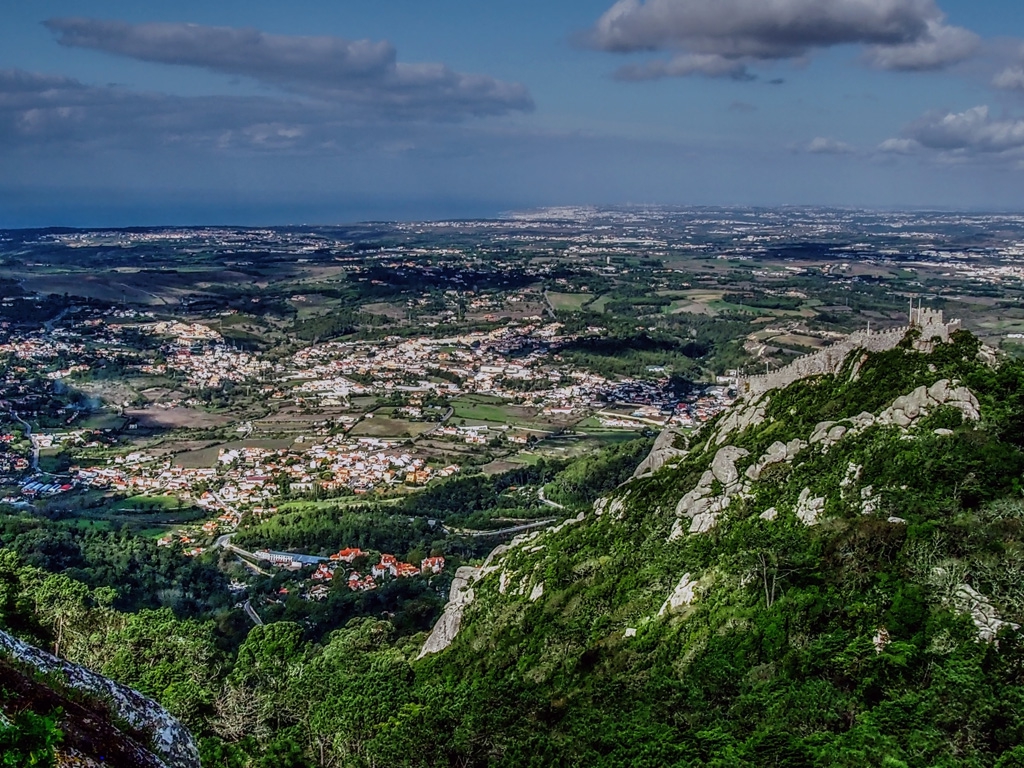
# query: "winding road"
[[28, 434], [544, 500], [501, 531], [251, 613]]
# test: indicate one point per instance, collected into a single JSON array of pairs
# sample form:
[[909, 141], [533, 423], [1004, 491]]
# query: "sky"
[[117, 113]]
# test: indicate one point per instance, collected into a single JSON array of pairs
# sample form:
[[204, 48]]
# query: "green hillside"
[[849, 641], [832, 575]]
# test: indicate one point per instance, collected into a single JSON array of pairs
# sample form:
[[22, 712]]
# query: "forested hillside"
[[827, 576]]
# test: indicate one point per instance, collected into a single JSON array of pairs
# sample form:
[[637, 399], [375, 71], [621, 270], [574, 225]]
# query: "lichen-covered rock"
[[682, 595], [723, 466], [853, 473], [808, 508], [662, 452], [820, 431], [740, 419], [700, 505], [459, 598], [906, 409], [172, 742], [967, 599]]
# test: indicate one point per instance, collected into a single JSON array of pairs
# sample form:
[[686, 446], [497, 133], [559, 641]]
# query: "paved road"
[[28, 434], [501, 531], [448, 414], [543, 500], [48, 325], [550, 306], [251, 613], [225, 543]]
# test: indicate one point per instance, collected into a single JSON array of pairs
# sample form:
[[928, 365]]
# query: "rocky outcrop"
[[702, 506], [906, 409], [662, 452], [967, 599], [740, 418], [683, 594], [460, 597], [777, 453], [172, 744], [808, 508], [612, 507], [699, 509], [723, 467]]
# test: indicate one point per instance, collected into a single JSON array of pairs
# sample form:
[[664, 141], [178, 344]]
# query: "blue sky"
[[117, 113]]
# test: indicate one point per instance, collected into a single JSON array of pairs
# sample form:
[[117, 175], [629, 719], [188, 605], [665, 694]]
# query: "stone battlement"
[[830, 360]]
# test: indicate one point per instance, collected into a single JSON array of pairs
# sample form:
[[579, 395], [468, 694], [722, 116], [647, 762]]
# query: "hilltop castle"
[[829, 360]]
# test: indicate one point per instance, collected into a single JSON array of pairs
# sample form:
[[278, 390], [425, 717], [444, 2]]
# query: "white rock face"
[[171, 740], [702, 508], [853, 473], [740, 419], [908, 408], [809, 509], [821, 431], [630, 632], [777, 453], [703, 522], [662, 452], [447, 627], [967, 599], [537, 592], [682, 595], [611, 507], [723, 466], [700, 505], [769, 514], [881, 639]]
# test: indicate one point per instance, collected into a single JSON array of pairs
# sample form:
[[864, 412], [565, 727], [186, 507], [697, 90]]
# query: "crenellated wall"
[[830, 359]]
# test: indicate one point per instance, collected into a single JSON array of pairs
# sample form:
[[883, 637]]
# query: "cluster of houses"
[[495, 363], [251, 476], [710, 403], [40, 346], [210, 366], [338, 566]]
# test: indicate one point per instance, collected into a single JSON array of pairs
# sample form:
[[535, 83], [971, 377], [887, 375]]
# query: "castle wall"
[[830, 360]]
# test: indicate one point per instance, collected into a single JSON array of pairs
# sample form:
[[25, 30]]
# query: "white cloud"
[[971, 131], [362, 73], [940, 47], [1010, 79], [822, 145], [721, 37], [898, 146]]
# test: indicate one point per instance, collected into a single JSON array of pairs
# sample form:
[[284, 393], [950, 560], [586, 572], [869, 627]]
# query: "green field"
[[569, 302], [382, 426], [147, 504], [483, 409], [102, 420]]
